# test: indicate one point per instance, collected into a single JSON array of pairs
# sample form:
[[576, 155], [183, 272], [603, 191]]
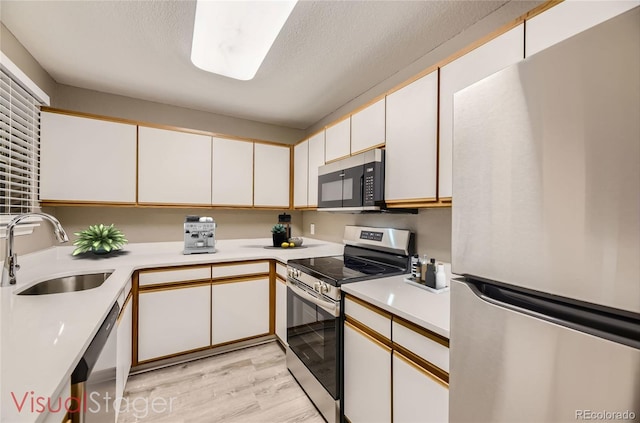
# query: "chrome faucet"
[[11, 259]]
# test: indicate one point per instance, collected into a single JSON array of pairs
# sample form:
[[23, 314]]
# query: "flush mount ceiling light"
[[232, 38]]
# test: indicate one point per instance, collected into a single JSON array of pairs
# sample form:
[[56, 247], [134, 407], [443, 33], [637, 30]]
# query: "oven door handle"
[[329, 307]]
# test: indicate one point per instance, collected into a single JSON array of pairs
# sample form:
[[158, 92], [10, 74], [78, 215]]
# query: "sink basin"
[[67, 284]]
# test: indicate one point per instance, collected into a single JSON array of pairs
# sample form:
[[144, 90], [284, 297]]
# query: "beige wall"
[[25, 61], [432, 226], [88, 101], [155, 225], [492, 22]]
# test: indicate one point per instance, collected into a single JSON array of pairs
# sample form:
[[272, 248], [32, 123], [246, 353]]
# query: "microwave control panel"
[[373, 183]]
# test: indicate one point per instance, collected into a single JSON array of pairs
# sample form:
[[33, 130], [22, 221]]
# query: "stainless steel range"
[[314, 327]]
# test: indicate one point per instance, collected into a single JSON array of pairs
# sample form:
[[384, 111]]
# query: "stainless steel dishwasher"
[[93, 381]]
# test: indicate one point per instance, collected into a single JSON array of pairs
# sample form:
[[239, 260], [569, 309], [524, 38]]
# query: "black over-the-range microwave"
[[352, 184]]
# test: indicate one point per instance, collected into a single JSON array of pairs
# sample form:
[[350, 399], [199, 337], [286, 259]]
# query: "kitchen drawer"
[[281, 270], [152, 277], [366, 314], [425, 345], [233, 270]]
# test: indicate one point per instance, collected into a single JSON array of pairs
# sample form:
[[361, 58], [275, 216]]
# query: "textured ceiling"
[[328, 53]]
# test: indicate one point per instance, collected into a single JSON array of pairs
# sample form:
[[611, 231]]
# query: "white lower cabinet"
[[418, 396], [239, 309], [123, 351], [173, 321], [281, 310], [367, 377]]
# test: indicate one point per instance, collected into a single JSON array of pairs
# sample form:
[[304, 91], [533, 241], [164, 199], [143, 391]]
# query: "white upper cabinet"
[[271, 176], [300, 174], [368, 127], [485, 60], [232, 173], [173, 167], [85, 159], [411, 148], [569, 18], [338, 140], [316, 159]]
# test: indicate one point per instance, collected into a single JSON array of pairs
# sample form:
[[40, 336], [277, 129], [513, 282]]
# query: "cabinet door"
[[300, 174], [84, 159], [570, 18], [316, 159], [173, 167], [411, 148], [368, 127], [418, 396], [239, 310], [232, 172], [489, 58], [367, 378], [281, 310], [123, 356], [173, 321], [338, 140], [271, 176]]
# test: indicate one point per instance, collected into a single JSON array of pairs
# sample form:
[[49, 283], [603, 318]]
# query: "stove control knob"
[[324, 288], [290, 272], [297, 273], [317, 286]]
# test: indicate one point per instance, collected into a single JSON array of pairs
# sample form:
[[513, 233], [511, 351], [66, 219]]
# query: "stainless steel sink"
[[67, 284]]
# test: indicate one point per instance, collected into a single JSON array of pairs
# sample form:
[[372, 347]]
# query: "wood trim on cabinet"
[[137, 163], [422, 331], [280, 279], [272, 297], [438, 136], [173, 268], [174, 205], [291, 176], [419, 363], [238, 263], [169, 286], [381, 145], [371, 307], [375, 337], [74, 203], [237, 279], [235, 341], [134, 318], [178, 354], [159, 126], [253, 174], [425, 370], [124, 306], [339, 158]]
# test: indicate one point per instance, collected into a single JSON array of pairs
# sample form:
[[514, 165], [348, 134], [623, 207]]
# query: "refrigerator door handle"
[[621, 329]]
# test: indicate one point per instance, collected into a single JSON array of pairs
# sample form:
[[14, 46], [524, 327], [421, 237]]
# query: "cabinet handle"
[[366, 335], [420, 369]]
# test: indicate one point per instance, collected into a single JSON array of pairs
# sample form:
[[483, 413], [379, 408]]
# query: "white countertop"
[[424, 308], [42, 338]]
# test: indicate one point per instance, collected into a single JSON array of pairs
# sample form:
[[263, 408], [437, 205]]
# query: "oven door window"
[[312, 336]]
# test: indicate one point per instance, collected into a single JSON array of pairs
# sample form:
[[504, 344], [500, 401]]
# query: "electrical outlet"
[[312, 229]]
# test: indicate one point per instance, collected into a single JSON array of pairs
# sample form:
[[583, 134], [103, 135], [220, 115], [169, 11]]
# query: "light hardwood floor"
[[249, 385]]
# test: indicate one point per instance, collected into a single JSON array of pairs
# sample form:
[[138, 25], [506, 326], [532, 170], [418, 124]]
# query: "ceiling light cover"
[[232, 38]]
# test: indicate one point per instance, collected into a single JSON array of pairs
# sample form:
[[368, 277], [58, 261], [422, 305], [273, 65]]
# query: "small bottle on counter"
[[423, 267], [430, 277], [415, 267], [441, 277]]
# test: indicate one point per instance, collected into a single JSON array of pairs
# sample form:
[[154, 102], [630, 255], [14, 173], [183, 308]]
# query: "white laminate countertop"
[[427, 309], [42, 338]]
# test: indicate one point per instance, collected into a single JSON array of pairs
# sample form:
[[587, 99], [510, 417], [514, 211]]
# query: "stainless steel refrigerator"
[[545, 322]]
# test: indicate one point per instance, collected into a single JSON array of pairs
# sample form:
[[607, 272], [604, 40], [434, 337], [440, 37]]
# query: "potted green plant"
[[99, 239], [279, 234]]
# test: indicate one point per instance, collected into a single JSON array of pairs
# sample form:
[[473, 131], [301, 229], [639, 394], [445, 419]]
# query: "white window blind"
[[19, 147]]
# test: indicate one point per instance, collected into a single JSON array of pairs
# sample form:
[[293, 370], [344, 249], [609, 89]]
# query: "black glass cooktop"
[[342, 269]]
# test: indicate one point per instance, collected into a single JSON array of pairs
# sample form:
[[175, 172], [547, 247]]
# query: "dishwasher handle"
[[90, 357]]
